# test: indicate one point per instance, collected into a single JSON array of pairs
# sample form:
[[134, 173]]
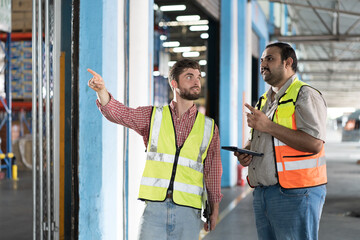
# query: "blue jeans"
[[168, 221], [282, 214]]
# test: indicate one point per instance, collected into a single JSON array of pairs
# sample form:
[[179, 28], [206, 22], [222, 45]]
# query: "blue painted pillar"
[[90, 122], [225, 75], [271, 18], [285, 21], [243, 63], [233, 69]]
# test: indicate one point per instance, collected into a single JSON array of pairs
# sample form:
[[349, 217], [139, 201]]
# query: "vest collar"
[[282, 89], [192, 110]]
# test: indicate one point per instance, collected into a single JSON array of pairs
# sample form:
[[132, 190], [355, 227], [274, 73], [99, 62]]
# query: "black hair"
[[286, 52]]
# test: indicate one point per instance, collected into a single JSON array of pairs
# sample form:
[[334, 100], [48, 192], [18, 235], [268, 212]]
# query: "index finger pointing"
[[95, 74], [249, 107]]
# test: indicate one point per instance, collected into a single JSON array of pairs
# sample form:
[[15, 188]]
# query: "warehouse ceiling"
[[327, 36], [175, 30]]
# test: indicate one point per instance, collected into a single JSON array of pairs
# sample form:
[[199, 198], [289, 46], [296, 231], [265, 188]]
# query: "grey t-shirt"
[[310, 117]]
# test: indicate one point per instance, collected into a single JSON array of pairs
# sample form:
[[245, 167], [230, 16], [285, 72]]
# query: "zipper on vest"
[[171, 186], [296, 156]]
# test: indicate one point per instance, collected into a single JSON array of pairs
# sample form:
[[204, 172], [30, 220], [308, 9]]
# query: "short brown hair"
[[179, 67]]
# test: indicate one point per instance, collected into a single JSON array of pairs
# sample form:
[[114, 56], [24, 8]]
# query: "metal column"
[[45, 118]]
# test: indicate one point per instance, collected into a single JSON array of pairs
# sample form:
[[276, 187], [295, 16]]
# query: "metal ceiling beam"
[[330, 72], [320, 18], [329, 60], [318, 38], [316, 7]]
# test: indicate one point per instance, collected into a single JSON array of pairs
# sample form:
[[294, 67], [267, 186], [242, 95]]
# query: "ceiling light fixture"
[[186, 23], [187, 18], [202, 62], [182, 49], [190, 54], [199, 28], [204, 35], [171, 63], [170, 8], [171, 44]]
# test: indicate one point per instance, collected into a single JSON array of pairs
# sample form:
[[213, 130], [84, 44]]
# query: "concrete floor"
[[16, 207], [237, 218]]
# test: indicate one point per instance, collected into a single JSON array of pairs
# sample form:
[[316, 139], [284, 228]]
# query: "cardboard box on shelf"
[[27, 64], [21, 5], [21, 20], [27, 76]]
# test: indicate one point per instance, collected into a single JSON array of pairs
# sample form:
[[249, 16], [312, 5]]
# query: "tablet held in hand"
[[242, 150]]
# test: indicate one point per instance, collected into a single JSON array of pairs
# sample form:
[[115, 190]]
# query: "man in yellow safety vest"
[[183, 153], [288, 126]]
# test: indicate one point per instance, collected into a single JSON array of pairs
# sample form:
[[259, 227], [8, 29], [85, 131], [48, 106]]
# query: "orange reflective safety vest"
[[295, 169]]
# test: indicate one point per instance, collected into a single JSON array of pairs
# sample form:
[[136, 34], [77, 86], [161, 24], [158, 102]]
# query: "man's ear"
[[174, 84], [288, 62]]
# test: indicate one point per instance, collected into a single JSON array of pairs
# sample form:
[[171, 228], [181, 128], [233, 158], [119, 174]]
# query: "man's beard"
[[274, 77], [185, 94]]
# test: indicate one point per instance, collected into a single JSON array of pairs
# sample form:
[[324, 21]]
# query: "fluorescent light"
[[187, 23], [169, 8], [204, 35], [182, 49], [202, 62], [171, 44], [203, 74], [199, 28], [171, 63], [190, 54], [163, 37], [187, 18], [156, 73]]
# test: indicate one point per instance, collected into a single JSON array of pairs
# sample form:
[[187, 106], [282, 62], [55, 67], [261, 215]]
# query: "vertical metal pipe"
[[40, 122], [47, 120], [56, 117], [8, 101], [126, 131], [34, 113]]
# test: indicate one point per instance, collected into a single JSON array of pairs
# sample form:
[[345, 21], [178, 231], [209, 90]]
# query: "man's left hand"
[[213, 218], [257, 120]]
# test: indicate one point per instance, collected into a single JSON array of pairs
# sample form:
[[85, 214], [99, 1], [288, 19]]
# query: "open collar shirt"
[[310, 116], [138, 119]]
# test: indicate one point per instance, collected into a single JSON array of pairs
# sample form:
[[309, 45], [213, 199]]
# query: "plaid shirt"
[[138, 119]]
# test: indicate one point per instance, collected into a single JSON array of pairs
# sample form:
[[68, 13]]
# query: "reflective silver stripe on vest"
[[163, 157], [301, 164], [206, 138], [197, 166], [182, 187], [278, 143], [156, 129], [155, 182]]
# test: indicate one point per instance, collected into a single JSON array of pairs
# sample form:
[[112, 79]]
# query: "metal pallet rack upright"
[[8, 156]]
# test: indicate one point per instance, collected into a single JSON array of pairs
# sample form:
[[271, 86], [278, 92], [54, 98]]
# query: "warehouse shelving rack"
[[6, 105]]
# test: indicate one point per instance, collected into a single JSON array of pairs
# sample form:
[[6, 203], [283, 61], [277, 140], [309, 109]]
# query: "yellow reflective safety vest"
[[295, 169], [171, 168]]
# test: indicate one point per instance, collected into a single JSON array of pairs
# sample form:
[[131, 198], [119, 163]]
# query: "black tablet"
[[242, 150]]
